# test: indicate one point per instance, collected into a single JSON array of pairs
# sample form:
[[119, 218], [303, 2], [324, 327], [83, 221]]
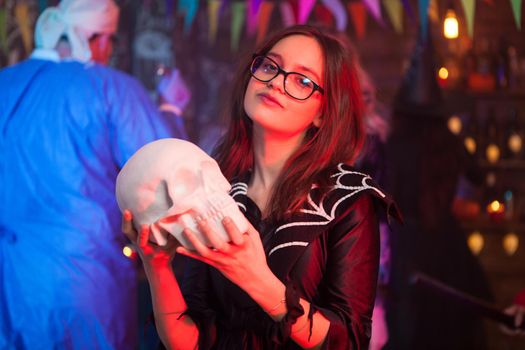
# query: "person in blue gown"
[[67, 125]]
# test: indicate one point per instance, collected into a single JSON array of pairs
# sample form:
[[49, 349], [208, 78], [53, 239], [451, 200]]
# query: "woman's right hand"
[[518, 312], [152, 254]]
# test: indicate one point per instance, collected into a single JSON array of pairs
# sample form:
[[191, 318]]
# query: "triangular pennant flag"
[[294, 5], [189, 9], [213, 19], [225, 4], [169, 7], [516, 9], [433, 12], [408, 9], [357, 12], [339, 13], [265, 13], [394, 10], [238, 11], [42, 5], [304, 10], [3, 30], [147, 4], [423, 16], [287, 13], [251, 16], [323, 15], [374, 7], [24, 25], [469, 6]]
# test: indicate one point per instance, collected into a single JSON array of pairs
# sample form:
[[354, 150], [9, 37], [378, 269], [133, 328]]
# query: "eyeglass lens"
[[296, 85]]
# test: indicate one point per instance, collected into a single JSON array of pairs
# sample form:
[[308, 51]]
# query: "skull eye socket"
[[186, 183]]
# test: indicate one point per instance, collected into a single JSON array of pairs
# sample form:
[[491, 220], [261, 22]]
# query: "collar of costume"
[[319, 213], [45, 54]]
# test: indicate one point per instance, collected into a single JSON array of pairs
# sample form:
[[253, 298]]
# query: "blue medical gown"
[[65, 131]]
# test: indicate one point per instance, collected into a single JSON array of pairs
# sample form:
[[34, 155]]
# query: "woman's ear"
[[317, 121]]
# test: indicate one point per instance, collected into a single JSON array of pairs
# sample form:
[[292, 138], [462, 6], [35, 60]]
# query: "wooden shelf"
[[504, 164], [485, 225], [487, 95]]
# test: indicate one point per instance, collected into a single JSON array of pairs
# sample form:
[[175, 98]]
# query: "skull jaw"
[[190, 220]]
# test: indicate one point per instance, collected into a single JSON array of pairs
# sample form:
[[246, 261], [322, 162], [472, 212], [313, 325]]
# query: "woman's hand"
[[241, 260], [152, 255], [518, 312]]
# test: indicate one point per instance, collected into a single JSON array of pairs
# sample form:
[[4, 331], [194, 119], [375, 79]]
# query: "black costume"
[[327, 253]]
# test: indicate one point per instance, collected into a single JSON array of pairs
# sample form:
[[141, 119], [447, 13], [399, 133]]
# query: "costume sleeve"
[[351, 276], [195, 289], [134, 118], [520, 298]]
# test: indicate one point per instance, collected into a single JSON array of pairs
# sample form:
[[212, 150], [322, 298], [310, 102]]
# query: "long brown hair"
[[338, 139]]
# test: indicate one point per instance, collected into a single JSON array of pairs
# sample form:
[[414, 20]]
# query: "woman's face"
[[270, 107]]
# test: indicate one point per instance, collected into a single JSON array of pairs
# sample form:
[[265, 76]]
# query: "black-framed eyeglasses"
[[297, 85]]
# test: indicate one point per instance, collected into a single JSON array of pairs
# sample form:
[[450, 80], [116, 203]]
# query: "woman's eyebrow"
[[301, 67]]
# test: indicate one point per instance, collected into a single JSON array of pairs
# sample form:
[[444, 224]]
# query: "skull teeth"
[[212, 214]]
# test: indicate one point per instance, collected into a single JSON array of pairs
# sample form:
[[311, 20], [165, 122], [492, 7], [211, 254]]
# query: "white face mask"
[[170, 184]]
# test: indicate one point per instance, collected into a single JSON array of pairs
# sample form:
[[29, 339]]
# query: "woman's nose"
[[277, 83]]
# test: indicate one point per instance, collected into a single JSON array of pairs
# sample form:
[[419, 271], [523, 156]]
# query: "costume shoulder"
[[346, 185], [111, 75], [323, 208]]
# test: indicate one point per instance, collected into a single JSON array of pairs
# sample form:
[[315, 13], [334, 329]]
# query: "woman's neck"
[[270, 155]]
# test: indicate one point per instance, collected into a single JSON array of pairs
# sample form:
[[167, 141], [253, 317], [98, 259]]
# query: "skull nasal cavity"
[[163, 195]]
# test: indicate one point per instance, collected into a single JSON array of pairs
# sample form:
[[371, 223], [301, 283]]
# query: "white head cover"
[[78, 20]]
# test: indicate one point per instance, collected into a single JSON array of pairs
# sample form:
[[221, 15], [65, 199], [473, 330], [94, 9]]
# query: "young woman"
[[304, 275]]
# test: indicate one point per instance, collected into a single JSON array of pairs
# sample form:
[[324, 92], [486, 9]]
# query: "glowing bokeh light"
[[454, 124], [475, 242], [492, 153], [129, 251], [450, 25], [443, 73], [470, 144], [511, 243], [515, 143]]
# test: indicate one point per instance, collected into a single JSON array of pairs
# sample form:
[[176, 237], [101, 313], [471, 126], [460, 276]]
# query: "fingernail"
[[127, 215], [226, 220]]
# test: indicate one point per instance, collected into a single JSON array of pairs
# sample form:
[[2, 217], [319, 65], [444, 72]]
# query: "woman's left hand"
[[242, 260]]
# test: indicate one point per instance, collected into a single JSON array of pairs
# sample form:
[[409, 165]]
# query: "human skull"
[[171, 184]]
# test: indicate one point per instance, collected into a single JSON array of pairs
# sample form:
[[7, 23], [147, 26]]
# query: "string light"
[[450, 25], [495, 207], [510, 243], [454, 124], [129, 251], [443, 73], [470, 144], [496, 210], [492, 153], [515, 142], [475, 242]]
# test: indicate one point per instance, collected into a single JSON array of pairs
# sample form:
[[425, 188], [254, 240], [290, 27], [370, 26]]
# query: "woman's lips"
[[269, 100]]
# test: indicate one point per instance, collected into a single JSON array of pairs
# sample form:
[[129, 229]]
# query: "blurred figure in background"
[[517, 309], [67, 125], [372, 162], [174, 96], [424, 161]]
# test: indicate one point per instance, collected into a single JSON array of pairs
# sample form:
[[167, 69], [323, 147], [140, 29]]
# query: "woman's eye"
[[269, 67], [303, 81]]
